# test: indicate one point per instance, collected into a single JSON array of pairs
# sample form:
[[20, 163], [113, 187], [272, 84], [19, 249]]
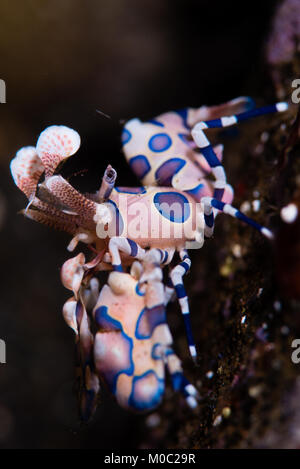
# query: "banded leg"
[[152, 262], [169, 292], [126, 245], [209, 220], [207, 150], [176, 275], [234, 212], [186, 118], [179, 381], [235, 106], [88, 381], [88, 386]]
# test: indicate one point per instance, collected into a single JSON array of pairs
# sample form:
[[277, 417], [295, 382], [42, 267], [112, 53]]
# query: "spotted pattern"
[[147, 391], [160, 142], [173, 206], [138, 291], [197, 192], [113, 348], [104, 321], [55, 144], [185, 138], [126, 136], [125, 347], [164, 174], [26, 169], [148, 320], [140, 166], [155, 122], [131, 190]]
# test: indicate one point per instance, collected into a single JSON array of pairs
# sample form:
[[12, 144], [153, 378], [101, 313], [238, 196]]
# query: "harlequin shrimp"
[[171, 217]]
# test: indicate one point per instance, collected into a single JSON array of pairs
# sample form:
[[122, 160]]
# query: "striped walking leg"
[[206, 148], [176, 276], [153, 260], [126, 245], [234, 212], [179, 381]]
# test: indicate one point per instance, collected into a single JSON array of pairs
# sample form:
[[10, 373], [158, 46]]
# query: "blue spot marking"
[[105, 321], [119, 220], [160, 142], [159, 356], [155, 122], [117, 267], [131, 190], [164, 174], [126, 136], [196, 193], [154, 354], [148, 320], [173, 206], [184, 138], [154, 400], [138, 291], [140, 166]]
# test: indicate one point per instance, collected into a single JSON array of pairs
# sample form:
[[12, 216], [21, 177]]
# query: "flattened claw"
[[72, 273], [69, 314], [55, 144], [26, 169]]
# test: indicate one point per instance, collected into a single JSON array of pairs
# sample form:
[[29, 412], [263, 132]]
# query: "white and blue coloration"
[[132, 346]]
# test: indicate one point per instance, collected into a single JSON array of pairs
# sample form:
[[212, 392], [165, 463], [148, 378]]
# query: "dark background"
[[61, 61]]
